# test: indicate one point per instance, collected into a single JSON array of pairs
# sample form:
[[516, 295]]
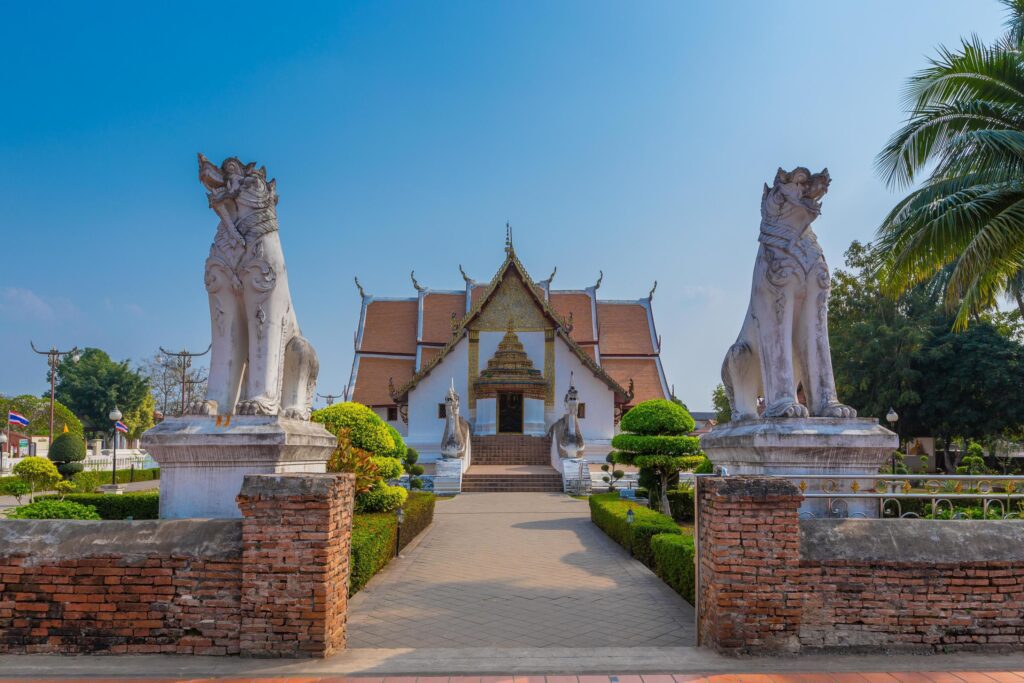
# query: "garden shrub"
[[365, 428], [88, 481], [400, 450], [373, 537], [51, 508], [973, 462], [673, 562], [608, 512], [681, 502], [39, 474], [387, 467], [348, 458], [381, 498], [414, 471], [658, 416], [67, 453], [137, 505], [13, 486]]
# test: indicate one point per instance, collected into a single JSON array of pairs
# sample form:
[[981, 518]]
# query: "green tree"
[[966, 130], [67, 453], [95, 384], [37, 410], [39, 474], [141, 418], [720, 400], [655, 440]]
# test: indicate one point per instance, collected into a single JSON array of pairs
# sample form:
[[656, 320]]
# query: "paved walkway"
[[517, 570]]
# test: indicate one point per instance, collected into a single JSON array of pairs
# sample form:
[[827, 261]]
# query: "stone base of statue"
[[793, 447], [204, 459]]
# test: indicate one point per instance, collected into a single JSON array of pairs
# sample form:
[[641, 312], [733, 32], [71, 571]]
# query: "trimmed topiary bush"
[[608, 512], [39, 474], [387, 467], [365, 428], [673, 562], [381, 498], [51, 508], [658, 445], [67, 453], [137, 504]]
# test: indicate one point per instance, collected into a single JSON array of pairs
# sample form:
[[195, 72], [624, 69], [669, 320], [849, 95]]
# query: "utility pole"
[[53, 359], [183, 363]]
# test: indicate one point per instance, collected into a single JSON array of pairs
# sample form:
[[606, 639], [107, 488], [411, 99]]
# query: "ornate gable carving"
[[511, 300]]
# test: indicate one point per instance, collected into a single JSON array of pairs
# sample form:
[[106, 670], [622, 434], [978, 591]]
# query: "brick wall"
[[270, 584], [770, 582]]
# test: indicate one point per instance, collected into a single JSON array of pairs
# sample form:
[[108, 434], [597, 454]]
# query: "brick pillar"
[[749, 536], [296, 532]]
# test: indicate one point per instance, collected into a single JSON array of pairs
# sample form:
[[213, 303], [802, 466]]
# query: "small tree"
[[65, 487], [656, 441], [67, 453], [720, 400], [412, 456], [611, 475], [39, 474], [974, 462]]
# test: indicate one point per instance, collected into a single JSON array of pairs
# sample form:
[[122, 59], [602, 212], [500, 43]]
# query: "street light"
[[53, 359], [400, 515], [115, 416], [891, 417], [183, 363]]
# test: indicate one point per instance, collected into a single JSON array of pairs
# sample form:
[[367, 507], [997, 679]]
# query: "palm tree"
[[966, 125]]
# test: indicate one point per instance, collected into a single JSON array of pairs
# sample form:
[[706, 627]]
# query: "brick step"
[[497, 479], [511, 449]]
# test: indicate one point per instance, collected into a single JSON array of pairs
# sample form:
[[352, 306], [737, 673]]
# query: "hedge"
[[673, 562], [137, 505], [373, 537], [608, 512], [51, 508], [681, 502]]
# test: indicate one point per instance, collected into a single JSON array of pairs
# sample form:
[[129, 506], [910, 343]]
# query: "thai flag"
[[121, 427], [17, 418]]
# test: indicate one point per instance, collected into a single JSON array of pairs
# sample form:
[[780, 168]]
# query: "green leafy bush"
[[67, 453], [608, 512], [658, 416], [400, 450], [12, 486], [88, 481], [365, 428], [137, 505], [643, 444], [681, 502], [973, 462], [387, 467], [674, 562], [51, 508], [39, 474], [381, 498], [373, 537]]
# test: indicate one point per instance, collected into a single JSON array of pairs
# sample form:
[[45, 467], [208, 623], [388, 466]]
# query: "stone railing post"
[[749, 553], [296, 533]]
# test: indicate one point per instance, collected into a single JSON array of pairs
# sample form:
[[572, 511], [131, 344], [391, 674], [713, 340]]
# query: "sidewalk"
[[11, 502]]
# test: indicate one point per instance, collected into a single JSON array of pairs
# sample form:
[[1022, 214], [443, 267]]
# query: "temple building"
[[511, 349]]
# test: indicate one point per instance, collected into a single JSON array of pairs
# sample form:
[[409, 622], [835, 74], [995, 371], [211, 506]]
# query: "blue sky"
[[632, 138]]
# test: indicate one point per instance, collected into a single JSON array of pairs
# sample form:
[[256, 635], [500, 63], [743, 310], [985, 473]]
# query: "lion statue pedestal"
[[782, 354], [255, 416]]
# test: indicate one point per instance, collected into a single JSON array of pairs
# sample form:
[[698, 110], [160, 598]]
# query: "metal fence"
[[928, 496]]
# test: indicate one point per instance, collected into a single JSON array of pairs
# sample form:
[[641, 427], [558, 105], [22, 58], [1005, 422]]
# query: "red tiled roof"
[[372, 379], [623, 330], [437, 315], [390, 327], [427, 354], [643, 372], [476, 292], [582, 320]]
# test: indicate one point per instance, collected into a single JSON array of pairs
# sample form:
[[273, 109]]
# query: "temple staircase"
[[511, 463]]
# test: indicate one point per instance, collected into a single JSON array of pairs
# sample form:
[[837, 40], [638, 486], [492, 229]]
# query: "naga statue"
[[566, 432], [784, 342], [456, 428], [260, 364]]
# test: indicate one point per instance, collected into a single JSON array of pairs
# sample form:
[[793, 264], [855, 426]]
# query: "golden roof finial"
[[508, 238], [511, 325]]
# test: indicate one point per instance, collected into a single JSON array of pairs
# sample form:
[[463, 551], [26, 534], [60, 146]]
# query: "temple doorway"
[[510, 413]]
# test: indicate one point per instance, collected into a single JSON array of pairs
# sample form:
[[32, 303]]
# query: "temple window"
[[582, 412], [392, 413], [442, 413]]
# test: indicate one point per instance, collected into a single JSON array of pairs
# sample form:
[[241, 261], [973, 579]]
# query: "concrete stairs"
[[511, 449], [511, 479]]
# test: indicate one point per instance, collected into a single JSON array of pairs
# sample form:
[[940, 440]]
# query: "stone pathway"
[[517, 570]]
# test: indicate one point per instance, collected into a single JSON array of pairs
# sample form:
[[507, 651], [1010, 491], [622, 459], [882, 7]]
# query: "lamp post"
[[891, 417], [114, 416], [331, 398], [183, 363], [3, 442], [53, 359], [400, 515]]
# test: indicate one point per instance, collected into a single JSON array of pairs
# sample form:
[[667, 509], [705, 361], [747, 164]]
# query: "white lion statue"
[[260, 363], [784, 343]]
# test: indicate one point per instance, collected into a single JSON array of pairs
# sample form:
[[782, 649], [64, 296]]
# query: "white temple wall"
[[425, 428], [382, 413], [599, 423]]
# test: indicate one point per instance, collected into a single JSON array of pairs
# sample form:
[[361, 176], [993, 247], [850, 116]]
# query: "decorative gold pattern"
[[549, 367], [511, 301], [474, 368]]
